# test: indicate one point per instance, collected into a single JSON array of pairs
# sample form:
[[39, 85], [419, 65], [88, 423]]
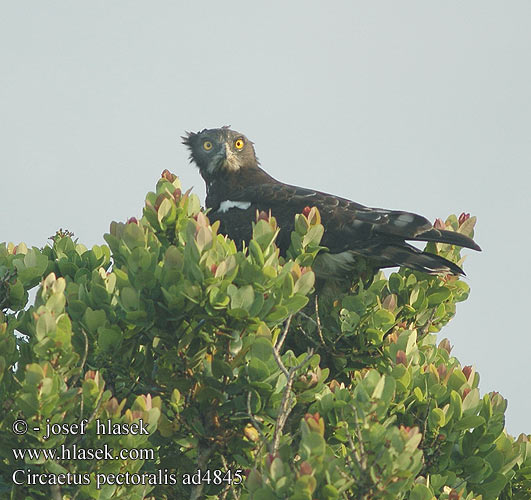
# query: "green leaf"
[[438, 295], [492, 489], [133, 236], [257, 370], [278, 314], [256, 253], [469, 422], [130, 298], [17, 295], [295, 303], [421, 492], [63, 329], [276, 469], [313, 444], [241, 298], [383, 319], [45, 325], [263, 233], [354, 303], [28, 404], [94, 319], [262, 349], [396, 283], [419, 395], [221, 368], [164, 209], [436, 418], [313, 236], [34, 374], [330, 492], [496, 459], [301, 224], [305, 283], [109, 338], [471, 402]]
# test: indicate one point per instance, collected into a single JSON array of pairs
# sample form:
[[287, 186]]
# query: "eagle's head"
[[220, 151]]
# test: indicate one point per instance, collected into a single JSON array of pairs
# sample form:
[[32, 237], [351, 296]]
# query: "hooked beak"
[[226, 159]]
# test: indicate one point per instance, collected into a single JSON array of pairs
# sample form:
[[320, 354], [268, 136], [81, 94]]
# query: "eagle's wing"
[[349, 225]]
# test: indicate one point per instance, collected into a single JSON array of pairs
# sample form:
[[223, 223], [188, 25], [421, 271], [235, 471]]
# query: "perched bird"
[[237, 187]]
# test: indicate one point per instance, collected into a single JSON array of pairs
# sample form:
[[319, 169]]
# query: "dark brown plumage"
[[236, 187]]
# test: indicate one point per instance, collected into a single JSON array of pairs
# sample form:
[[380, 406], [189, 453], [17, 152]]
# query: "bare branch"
[[55, 490], [235, 494], [318, 320], [202, 459], [83, 361], [287, 398], [362, 455], [284, 333]]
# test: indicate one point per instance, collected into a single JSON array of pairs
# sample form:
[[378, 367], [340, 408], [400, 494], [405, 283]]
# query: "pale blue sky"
[[416, 105]]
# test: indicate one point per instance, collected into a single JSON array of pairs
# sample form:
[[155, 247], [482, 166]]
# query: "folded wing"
[[375, 233]]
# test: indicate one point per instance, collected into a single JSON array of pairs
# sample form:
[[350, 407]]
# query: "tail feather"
[[444, 236], [409, 256], [338, 266]]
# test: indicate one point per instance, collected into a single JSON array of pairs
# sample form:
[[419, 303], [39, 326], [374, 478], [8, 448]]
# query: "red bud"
[[306, 211], [166, 174], [401, 358], [454, 495], [305, 468], [261, 215], [463, 218], [439, 224], [445, 344], [334, 385], [392, 338], [467, 370]]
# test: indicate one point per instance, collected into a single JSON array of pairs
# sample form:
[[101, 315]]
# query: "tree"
[[222, 376]]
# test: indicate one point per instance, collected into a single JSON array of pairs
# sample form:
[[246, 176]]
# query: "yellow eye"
[[207, 145], [238, 143]]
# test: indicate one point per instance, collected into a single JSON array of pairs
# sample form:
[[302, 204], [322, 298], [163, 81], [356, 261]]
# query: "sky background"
[[416, 105]]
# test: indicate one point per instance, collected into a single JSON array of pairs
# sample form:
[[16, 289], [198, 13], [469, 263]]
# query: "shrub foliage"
[[247, 385]]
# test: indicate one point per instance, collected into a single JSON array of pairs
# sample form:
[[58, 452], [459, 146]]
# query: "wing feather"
[[349, 225]]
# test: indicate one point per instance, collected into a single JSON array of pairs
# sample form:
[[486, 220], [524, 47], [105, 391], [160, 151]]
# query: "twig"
[[424, 330], [355, 452], [78, 437], [83, 361], [363, 457], [202, 459], [318, 320], [285, 405], [284, 333], [55, 490], [225, 493], [235, 494], [309, 318]]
